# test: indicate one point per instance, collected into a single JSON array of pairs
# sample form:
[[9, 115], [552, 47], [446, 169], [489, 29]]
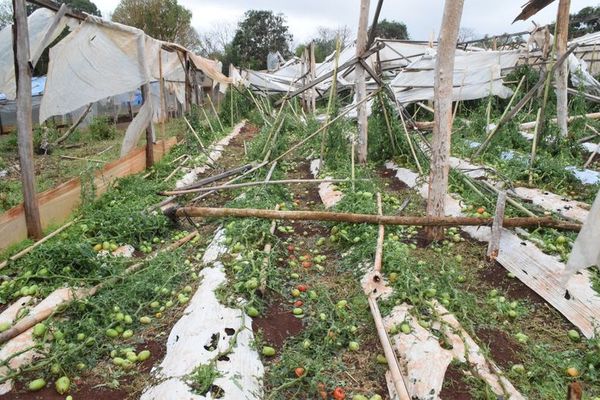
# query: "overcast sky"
[[422, 17]]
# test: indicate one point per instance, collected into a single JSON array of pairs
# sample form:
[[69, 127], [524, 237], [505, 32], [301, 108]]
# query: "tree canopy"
[[325, 41], [391, 30], [83, 5], [257, 34], [162, 19], [587, 20]]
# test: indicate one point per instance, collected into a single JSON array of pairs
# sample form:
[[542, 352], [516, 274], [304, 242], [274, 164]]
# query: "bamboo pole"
[[502, 118], [388, 351], [294, 147], [267, 250], [246, 184], [332, 93], [24, 122], [380, 238], [534, 146], [442, 130], [208, 212], [83, 159], [215, 111]]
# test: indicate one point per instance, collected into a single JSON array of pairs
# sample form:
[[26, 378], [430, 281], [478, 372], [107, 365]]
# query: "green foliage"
[[236, 104], [101, 129], [587, 20], [259, 33], [86, 6], [203, 377], [391, 30], [162, 19], [325, 42], [5, 13]]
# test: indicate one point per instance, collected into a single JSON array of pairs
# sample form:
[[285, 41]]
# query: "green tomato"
[[37, 384], [268, 351], [353, 346]]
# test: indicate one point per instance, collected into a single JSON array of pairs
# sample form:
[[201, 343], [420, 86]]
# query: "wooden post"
[[442, 129], [562, 72], [24, 123], [494, 244], [312, 75], [149, 139], [188, 85], [361, 86]]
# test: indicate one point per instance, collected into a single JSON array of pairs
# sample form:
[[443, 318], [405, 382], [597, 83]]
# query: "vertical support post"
[[361, 86], [188, 86], [163, 99], [149, 138], [442, 128], [24, 123], [313, 74], [562, 72], [494, 244]]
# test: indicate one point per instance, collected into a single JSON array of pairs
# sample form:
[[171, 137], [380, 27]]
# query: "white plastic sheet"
[[586, 249], [38, 24]]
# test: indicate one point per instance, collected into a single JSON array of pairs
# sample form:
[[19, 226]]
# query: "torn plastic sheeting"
[[202, 335], [136, 128], [426, 362], [38, 24], [101, 59], [586, 251], [585, 176]]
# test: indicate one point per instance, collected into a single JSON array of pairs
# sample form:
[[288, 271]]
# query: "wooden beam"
[[442, 129], [208, 212], [562, 72], [360, 83], [374, 24], [24, 123]]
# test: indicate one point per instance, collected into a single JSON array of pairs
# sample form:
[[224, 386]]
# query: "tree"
[[83, 5], [162, 19], [259, 33], [325, 41], [391, 30], [214, 41], [587, 20], [466, 34]]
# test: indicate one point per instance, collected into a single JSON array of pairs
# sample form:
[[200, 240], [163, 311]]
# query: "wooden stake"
[[361, 86], [534, 145], [267, 250], [442, 130], [216, 113], [380, 238], [149, 138], [494, 243], [208, 212], [24, 123], [562, 71], [246, 184]]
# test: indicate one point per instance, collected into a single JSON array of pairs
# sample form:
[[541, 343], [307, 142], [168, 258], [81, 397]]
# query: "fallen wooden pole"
[[74, 126], [246, 184], [531, 125], [388, 351], [209, 212], [83, 159], [380, 238]]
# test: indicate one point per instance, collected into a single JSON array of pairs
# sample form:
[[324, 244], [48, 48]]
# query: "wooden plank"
[[361, 87], [562, 72], [57, 204], [542, 273]]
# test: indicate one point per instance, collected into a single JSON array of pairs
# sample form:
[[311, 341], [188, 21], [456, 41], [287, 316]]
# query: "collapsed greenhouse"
[[404, 220]]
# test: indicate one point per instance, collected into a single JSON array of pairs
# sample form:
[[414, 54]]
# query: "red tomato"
[[339, 394], [298, 303], [302, 288], [299, 372]]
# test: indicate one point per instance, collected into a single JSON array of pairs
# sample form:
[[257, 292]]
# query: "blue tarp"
[[37, 87]]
